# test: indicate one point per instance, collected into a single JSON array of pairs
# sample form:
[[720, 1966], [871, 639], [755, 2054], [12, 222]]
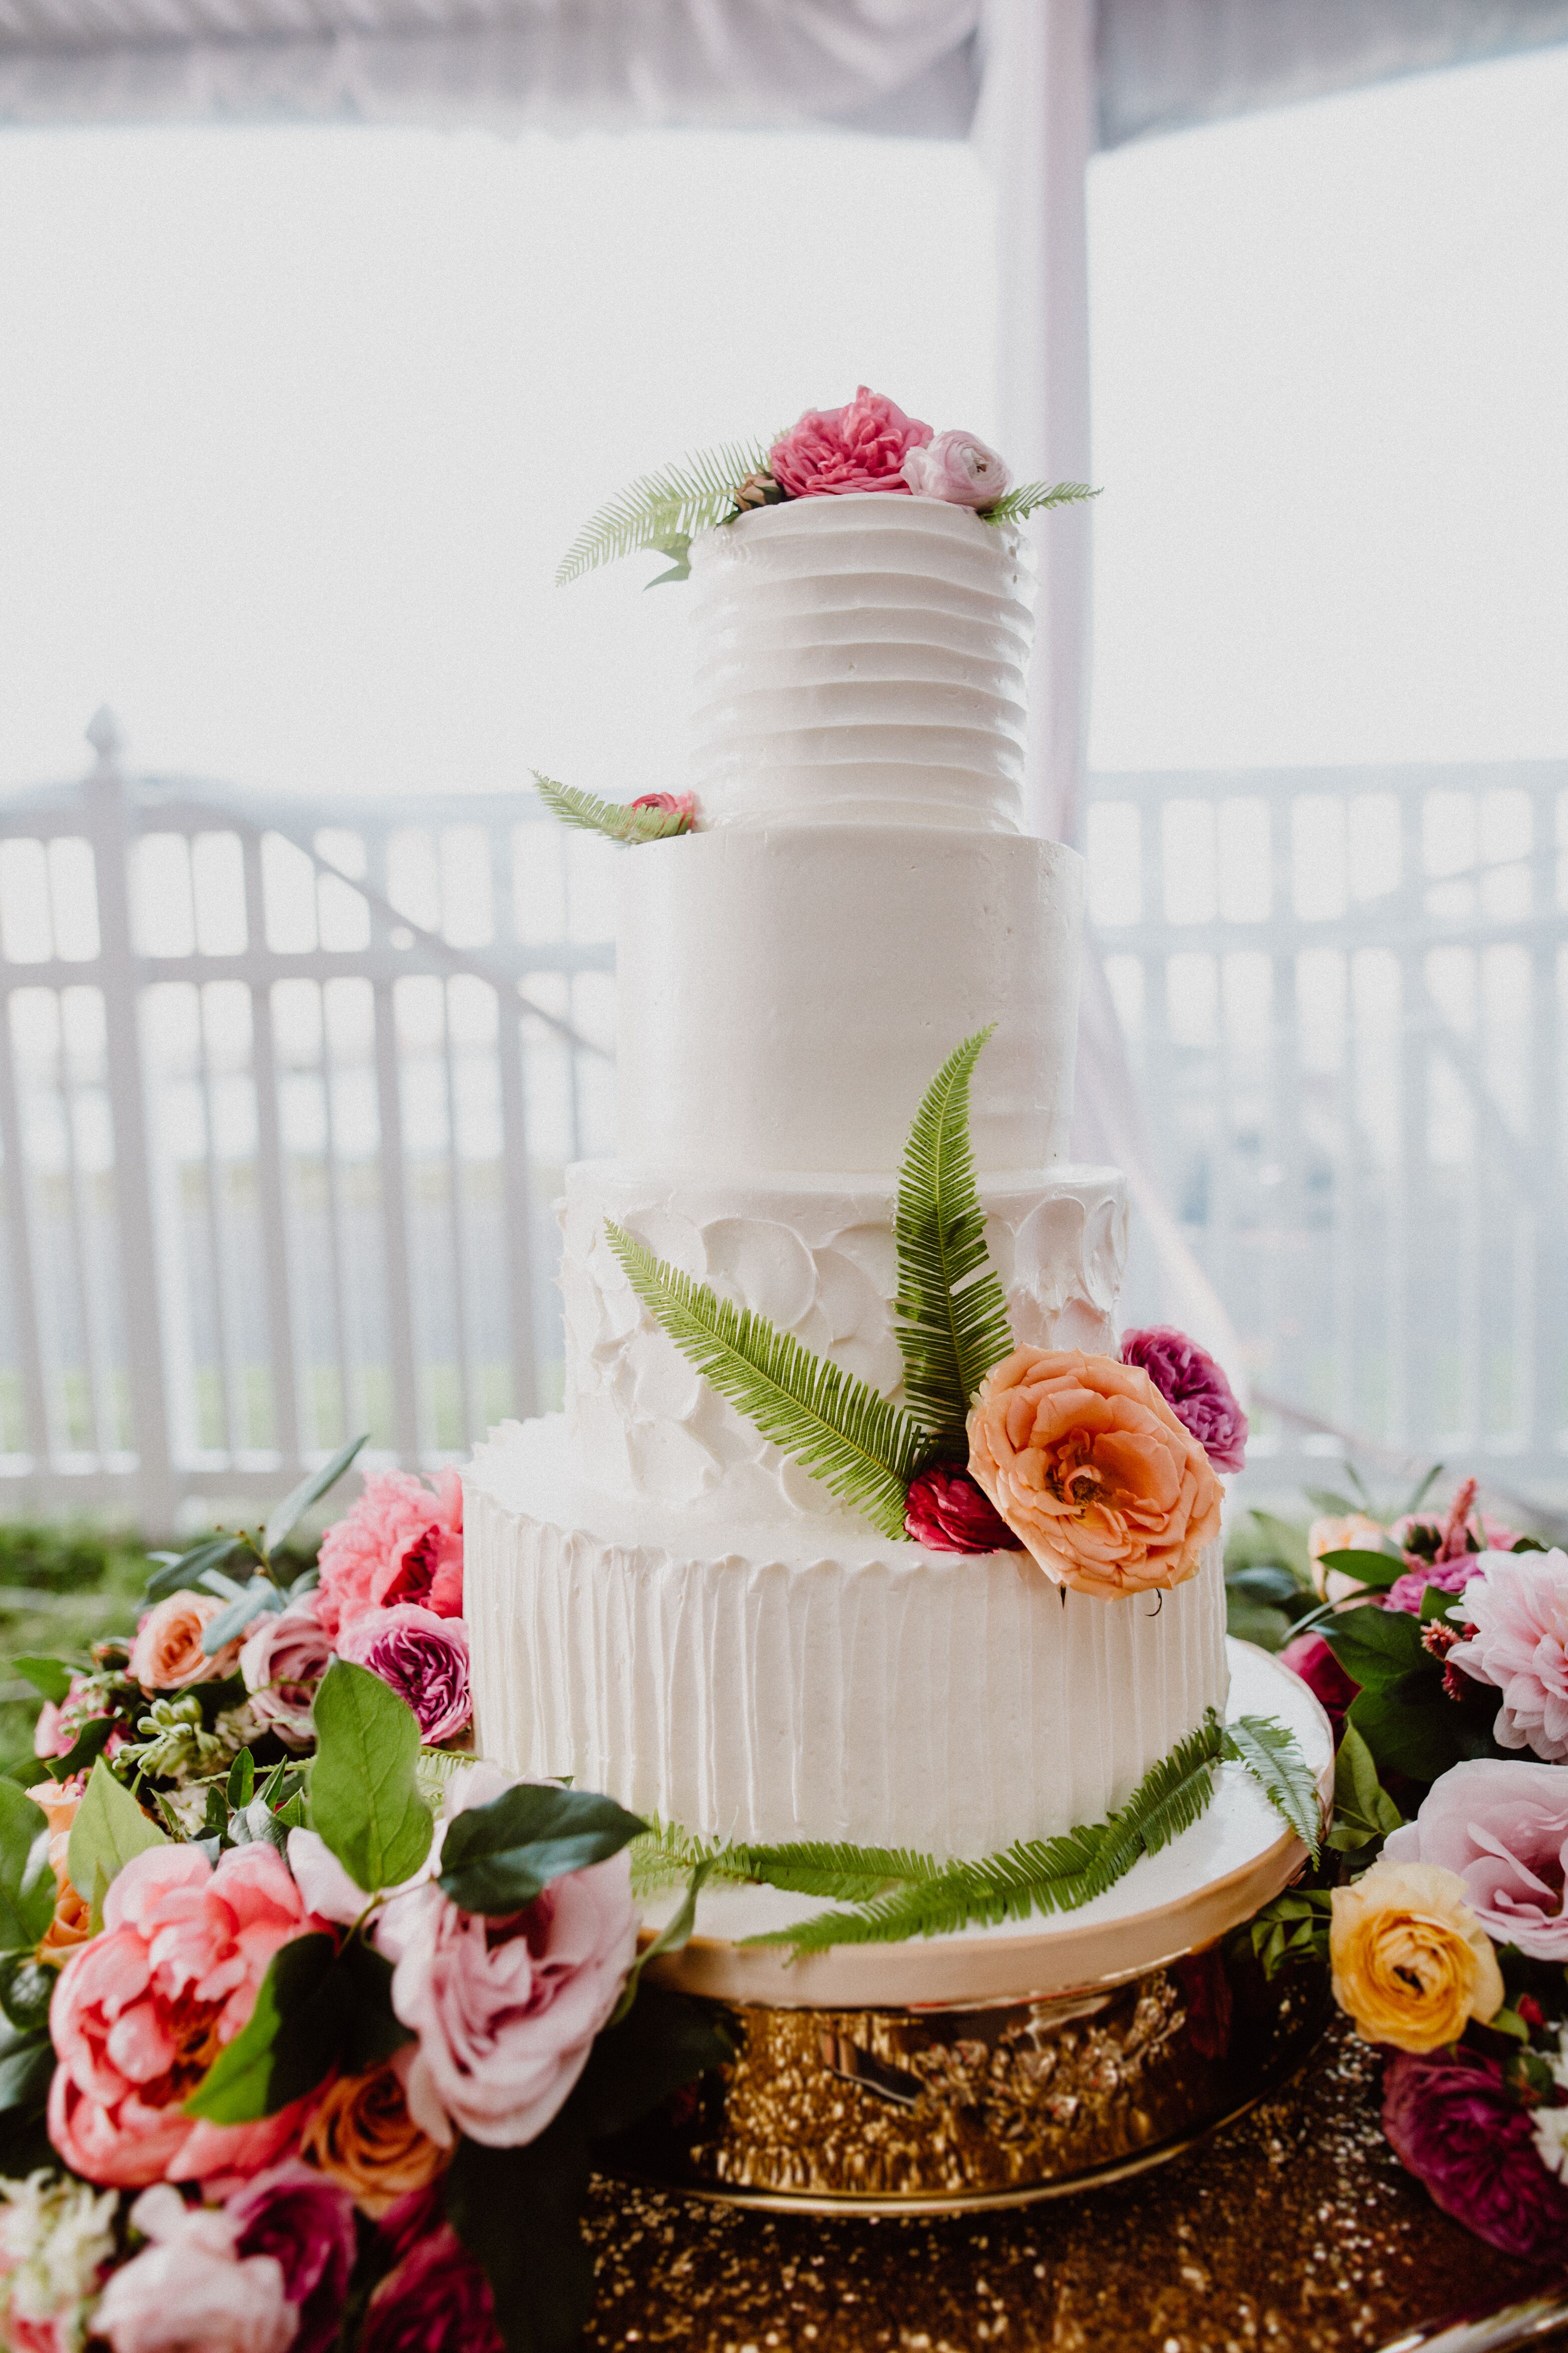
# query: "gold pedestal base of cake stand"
[[1006, 2064]]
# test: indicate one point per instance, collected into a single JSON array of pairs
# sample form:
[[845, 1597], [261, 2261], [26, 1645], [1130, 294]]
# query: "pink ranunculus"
[[861, 447], [506, 2009], [140, 2013], [423, 1658], [1194, 1388], [1518, 1604], [667, 804], [282, 1662], [436, 2301], [1452, 2125], [307, 2222], [959, 468], [950, 1512], [1503, 1825], [401, 1541], [190, 2290], [1313, 1660]]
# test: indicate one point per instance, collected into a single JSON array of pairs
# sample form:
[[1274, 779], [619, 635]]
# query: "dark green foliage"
[[498, 1858]]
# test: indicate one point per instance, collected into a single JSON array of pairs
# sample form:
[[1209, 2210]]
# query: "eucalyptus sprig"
[[267, 1586]]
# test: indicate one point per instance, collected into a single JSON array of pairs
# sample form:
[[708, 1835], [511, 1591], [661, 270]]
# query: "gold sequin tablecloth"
[[1295, 2229]]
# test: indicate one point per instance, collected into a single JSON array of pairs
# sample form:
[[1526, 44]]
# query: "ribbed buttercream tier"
[[786, 998], [815, 1255], [863, 659], [766, 1689]]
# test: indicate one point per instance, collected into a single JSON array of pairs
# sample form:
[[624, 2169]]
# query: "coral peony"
[[283, 1661], [948, 1511], [1503, 1827], [959, 468], [1089, 1467], [506, 2009], [1412, 1964], [362, 2137], [425, 1659], [437, 2300], [56, 2240], [1194, 1388], [861, 447], [141, 2012], [1451, 2124], [1518, 1605], [167, 1654], [1311, 1657], [307, 2223], [190, 2291], [402, 1541]]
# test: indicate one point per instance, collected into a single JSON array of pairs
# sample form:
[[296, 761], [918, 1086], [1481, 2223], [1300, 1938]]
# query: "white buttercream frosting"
[[766, 1686], [863, 659], [815, 1255]]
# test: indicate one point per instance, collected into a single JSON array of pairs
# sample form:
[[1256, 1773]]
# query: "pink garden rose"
[[141, 2012], [948, 1511], [1518, 1605], [283, 1661], [1503, 1827], [1453, 2126], [423, 1658], [861, 447], [436, 2301], [190, 2290], [506, 2009], [1194, 1388], [401, 1541], [307, 2222], [957, 467]]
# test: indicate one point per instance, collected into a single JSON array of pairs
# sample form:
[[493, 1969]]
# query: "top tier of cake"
[[863, 663]]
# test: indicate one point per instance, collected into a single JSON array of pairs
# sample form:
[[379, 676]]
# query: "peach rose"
[[73, 1923], [167, 1654], [363, 2137], [1093, 1470], [1412, 1963], [1352, 1533]]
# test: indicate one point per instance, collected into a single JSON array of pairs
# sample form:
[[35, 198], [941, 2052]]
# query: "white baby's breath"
[[55, 2235]]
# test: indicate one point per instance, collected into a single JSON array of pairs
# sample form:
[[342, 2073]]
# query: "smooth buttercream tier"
[[772, 1690], [815, 1255], [786, 997], [862, 659]]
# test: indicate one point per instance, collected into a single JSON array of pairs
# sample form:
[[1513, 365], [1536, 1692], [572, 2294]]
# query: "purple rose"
[[307, 2223], [1453, 2126], [950, 1512], [1503, 1827], [424, 1657], [437, 2299], [1311, 1658], [1194, 1388]]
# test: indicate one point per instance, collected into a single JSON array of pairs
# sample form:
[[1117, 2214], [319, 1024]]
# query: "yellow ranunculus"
[[1412, 1963]]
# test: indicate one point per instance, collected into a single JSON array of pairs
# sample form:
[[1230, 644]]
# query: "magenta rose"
[[1503, 1825], [959, 468], [1311, 1657], [1453, 2126], [950, 1512], [436, 2301], [307, 2223], [401, 1541], [423, 1658], [1194, 1388], [861, 447], [282, 1661]]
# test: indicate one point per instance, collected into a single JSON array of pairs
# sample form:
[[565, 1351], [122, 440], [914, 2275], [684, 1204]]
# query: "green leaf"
[[290, 2042], [1420, 1492], [108, 1829], [662, 2043], [1269, 1580], [289, 1514], [27, 1876], [857, 1443], [1411, 1729], [950, 1311], [1288, 1544], [679, 545], [677, 501], [1247, 1620], [1376, 1570], [182, 1572], [1324, 1500], [1293, 1929], [50, 1676], [26, 2067], [241, 1780], [1363, 1811], [498, 1858], [838, 1872], [90, 1742], [516, 2211], [364, 1800], [673, 1937], [617, 820], [1378, 1647], [371, 2028], [1029, 498], [1271, 1755], [26, 1989], [252, 1601]]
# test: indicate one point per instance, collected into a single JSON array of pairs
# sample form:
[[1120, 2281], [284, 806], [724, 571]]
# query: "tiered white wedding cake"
[[662, 1604]]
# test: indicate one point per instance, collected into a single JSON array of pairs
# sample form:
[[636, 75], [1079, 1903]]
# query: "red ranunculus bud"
[[946, 1510]]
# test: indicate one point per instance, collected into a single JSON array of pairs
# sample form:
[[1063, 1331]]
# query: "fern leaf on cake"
[[1272, 1756], [664, 509], [838, 1872], [857, 1443], [949, 1313], [617, 820], [1033, 498]]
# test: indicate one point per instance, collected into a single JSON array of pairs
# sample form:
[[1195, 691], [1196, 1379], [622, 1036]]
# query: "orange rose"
[[73, 1923], [167, 1653], [1093, 1470], [364, 2136]]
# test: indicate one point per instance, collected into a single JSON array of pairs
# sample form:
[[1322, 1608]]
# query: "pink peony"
[[307, 2222], [1194, 1388], [506, 2009], [957, 467], [400, 1541], [435, 2302], [861, 447], [1518, 1605], [1313, 1660], [1454, 2127], [424, 1657], [190, 2290], [1503, 1827], [282, 1662], [950, 1512], [141, 2012]]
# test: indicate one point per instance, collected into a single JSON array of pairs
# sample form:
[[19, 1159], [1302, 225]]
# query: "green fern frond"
[[1031, 498], [838, 1873], [857, 1443], [670, 505], [617, 820], [950, 1311], [1272, 1756]]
